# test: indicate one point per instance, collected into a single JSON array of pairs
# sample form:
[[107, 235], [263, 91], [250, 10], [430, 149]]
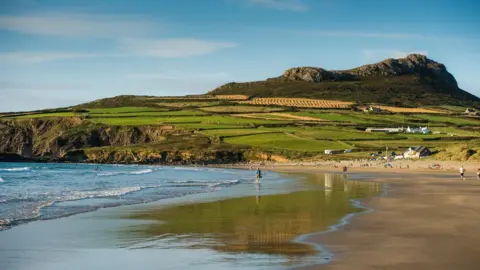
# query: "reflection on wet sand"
[[259, 224]]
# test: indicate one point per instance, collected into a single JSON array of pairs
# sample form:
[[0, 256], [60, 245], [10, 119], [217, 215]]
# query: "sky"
[[56, 53]]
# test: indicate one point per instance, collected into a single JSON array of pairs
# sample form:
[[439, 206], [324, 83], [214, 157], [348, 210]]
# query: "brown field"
[[299, 102], [298, 117], [408, 110], [188, 104], [279, 116], [231, 97], [241, 109]]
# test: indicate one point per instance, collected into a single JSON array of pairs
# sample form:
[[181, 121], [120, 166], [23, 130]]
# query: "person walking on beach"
[[462, 173], [478, 174], [258, 175]]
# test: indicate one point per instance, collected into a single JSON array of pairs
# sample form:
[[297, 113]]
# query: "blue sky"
[[57, 53]]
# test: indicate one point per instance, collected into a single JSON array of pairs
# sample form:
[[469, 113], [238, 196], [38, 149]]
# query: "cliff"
[[71, 139], [54, 137]]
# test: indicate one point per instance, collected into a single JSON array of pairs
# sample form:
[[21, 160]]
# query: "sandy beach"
[[426, 220]]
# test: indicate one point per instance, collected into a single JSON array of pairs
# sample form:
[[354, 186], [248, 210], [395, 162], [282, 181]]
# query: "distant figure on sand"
[[478, 174], [258, 175], [462, 173], [345, 169]]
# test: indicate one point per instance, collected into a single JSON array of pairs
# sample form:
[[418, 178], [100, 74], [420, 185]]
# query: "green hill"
[[411, 81]]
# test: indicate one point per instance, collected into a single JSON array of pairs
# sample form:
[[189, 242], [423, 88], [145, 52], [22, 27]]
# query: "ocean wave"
[[1, 180], [126, 173], [23, 169], [34, 211], [78, 195], [210, 184]]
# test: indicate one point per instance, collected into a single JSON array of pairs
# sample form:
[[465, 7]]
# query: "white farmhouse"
[[420, 130]]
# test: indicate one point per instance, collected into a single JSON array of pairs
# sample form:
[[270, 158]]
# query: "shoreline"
[[428, 220], [348, 238], [26, 228]]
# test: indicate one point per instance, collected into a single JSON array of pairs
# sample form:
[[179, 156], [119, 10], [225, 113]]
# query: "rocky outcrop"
[[411, 81], [413, 64], [55, 136]]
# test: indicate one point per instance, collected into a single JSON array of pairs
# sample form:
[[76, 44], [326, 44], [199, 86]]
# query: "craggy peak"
[[410, 81]]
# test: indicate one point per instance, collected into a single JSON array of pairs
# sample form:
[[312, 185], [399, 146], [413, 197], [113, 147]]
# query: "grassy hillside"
[[235, 132]]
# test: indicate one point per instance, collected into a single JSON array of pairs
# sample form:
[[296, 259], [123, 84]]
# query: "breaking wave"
[[23, 169], [191, 183], [126, 173]]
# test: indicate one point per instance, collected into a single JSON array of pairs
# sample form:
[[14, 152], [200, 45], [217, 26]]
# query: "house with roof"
[[420, 130], [471, 112], [417, 152]]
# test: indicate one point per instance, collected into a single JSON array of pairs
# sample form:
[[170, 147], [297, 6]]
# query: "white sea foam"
[[101, 193], [210, 184], [142, 171], [123, 173], [1, 180], [23, 169]]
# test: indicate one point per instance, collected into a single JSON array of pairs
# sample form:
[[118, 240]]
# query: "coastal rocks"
[[56, 136]]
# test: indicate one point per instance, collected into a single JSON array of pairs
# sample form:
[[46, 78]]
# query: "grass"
[[449, 120], [285, 142], [122, 110], [241, 109], [192, 104], [208, 120], [239, 132], [42, 115], [336, 133], [456, 109], [405, 90], [336, 117], [399, 144], [152, 114]]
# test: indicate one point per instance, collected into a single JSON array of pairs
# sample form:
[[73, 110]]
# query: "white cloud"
[[289, 5], [77, 25], [37, 57], [380, 54], [171, 48]]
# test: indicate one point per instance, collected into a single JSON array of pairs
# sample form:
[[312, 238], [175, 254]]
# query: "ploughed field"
[[288, 126]]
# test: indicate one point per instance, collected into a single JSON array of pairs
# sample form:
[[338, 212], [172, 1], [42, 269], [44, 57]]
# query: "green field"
[[241, 109], [191, 104], [285, 142], [209, 120], [222, 126], [339, 133], [151, 114], [449, 120], [46, 115], [120, 110], [240, 132]]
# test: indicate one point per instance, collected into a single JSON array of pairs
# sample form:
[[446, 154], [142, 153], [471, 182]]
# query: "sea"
[[39, 191], [119, 217]]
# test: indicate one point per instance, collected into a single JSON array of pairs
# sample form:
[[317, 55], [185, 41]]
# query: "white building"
[[417, 152], [420, 130]]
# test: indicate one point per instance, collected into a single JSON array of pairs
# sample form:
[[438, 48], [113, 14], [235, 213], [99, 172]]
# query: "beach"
[[302, 217], [425, 220]]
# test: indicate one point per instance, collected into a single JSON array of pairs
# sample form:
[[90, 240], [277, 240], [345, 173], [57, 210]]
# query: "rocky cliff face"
[[413, 64], [54, 137]]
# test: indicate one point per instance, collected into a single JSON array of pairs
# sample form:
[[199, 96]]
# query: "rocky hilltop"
[[410, 81]]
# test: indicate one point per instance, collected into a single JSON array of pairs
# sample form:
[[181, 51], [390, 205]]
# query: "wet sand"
[[425, 221]]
